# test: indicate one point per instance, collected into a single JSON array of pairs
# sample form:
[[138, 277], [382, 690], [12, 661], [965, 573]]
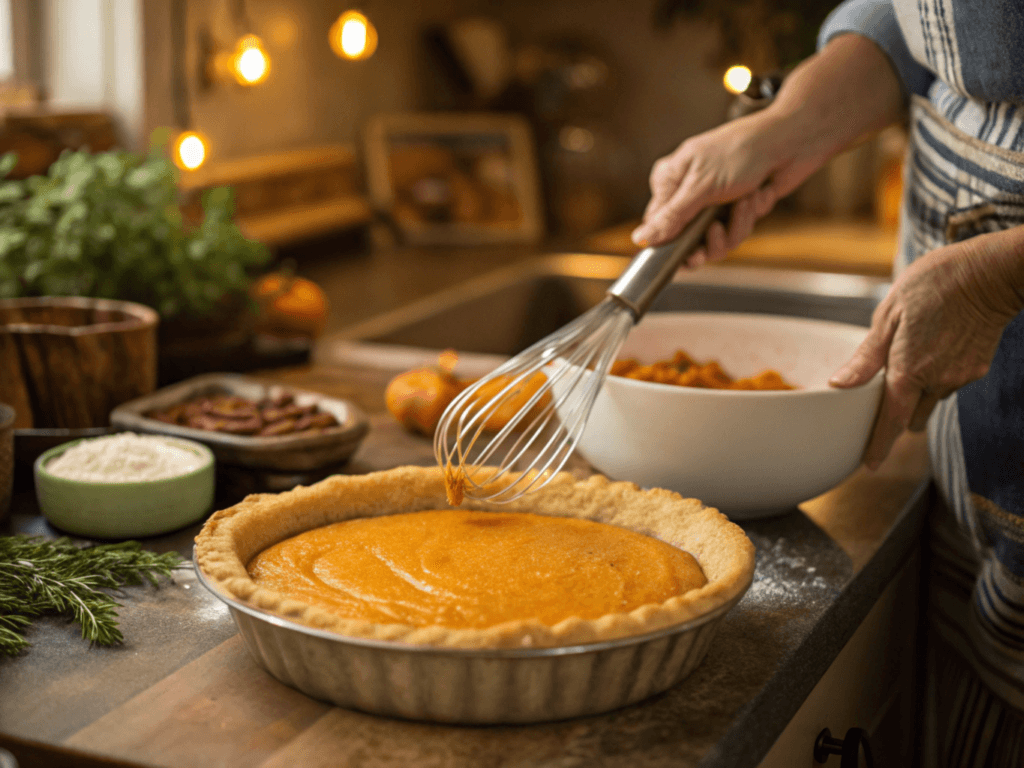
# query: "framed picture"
[[455, 178]]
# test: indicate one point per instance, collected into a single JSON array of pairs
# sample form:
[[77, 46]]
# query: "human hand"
[[753, 161], [936, 330], [828, 102]]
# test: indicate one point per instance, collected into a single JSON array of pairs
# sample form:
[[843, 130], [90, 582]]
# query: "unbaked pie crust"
[[232, 537]]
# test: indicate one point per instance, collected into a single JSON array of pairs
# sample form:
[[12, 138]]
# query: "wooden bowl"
[[66, 362]]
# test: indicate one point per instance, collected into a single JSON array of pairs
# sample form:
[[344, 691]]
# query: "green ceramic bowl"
[[125, 510]]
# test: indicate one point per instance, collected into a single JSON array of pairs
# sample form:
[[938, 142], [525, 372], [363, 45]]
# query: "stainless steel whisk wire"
[[578, 354], [574, 361]]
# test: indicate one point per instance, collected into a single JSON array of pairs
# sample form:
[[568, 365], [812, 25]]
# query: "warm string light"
[[190, 150], [352, 36], [737, 79], [250, 63]]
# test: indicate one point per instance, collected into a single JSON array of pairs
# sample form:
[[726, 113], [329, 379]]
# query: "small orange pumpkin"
[[417, 398], [290, 305]]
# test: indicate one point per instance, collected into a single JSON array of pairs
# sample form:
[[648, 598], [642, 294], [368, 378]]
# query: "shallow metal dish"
[[472, 686], [284, 453]]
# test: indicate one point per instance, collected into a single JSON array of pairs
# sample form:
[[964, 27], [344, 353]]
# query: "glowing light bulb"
[[251, 64], [737, 78], [189, 151], [352, 36]]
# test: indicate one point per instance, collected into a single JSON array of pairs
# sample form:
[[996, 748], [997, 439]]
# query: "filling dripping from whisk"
[[454, 483]]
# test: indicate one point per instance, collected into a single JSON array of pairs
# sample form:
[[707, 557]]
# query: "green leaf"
[[145, 176], [11, 191], [77, 183], [34, 270], [10, 240], [218, 200], [8, 162], [72, 215]]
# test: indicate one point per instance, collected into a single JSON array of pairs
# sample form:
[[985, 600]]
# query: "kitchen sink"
[[508, 309]]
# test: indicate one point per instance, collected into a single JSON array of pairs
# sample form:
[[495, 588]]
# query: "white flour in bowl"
[[124, 458]]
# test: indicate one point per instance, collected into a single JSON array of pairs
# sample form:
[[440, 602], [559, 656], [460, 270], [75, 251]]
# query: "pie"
[[402, 568], [381, 556]]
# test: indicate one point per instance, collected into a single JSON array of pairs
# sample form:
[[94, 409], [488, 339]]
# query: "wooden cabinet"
[[872, 685]]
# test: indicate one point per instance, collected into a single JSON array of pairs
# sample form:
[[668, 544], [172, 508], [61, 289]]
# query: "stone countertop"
[[183, 691], [366, 283]]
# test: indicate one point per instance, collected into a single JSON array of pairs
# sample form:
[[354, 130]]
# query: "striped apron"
[[958, 186]]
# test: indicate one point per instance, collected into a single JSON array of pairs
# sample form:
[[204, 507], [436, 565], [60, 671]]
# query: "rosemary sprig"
[[39, 576]]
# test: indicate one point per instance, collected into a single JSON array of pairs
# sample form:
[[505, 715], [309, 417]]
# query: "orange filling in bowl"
[[464, 569], [682, 370]]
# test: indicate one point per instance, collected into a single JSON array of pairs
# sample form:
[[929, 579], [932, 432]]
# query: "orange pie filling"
[[472, 570]]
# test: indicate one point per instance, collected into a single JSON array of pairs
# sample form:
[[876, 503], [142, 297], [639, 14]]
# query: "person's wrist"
[[784, 134], [1002, 254], [1011, 261]]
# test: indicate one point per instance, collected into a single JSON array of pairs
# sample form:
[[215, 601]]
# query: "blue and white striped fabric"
[[957, 186], [963, 67], [999, 123], [967, 58]]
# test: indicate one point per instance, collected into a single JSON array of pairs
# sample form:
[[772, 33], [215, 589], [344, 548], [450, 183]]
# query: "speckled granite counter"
[[182, 690]]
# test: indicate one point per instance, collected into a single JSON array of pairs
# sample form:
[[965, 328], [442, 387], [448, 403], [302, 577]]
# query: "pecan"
[[276, 413], [323, 419], [207, 422], [282, 427], [248, 426], [232, 408]]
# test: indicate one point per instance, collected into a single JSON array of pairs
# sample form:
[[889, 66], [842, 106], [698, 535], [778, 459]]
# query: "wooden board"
[[202, 713]]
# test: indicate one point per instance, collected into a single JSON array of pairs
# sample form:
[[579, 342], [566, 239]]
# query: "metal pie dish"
[[291, 453], [470, 686], [517, 671]]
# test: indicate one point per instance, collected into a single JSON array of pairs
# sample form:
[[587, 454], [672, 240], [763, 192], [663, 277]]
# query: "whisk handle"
[[652, 268]]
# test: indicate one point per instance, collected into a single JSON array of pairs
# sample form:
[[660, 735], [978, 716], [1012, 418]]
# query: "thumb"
[[867, 360]]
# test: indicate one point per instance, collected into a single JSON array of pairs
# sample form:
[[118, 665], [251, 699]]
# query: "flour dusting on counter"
[[783, 577], [125, 458]]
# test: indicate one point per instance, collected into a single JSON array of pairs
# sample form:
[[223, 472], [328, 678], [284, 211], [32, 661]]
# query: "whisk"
[[546, 392], [539, 400]]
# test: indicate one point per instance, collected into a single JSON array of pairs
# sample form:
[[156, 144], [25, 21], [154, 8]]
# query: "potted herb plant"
[[109, 225]]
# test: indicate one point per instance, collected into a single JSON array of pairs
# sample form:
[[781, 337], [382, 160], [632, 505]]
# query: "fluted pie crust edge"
[[232, 537]]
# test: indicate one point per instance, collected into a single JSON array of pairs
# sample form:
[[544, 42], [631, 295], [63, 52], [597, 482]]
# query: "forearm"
[[832, 99]]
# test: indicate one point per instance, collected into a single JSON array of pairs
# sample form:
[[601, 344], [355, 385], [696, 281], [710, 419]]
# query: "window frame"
[[27, 17]]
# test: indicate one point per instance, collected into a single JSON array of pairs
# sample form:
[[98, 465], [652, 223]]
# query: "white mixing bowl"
[[748, 453]]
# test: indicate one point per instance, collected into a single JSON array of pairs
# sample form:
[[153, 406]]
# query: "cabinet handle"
[[849, 748]]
